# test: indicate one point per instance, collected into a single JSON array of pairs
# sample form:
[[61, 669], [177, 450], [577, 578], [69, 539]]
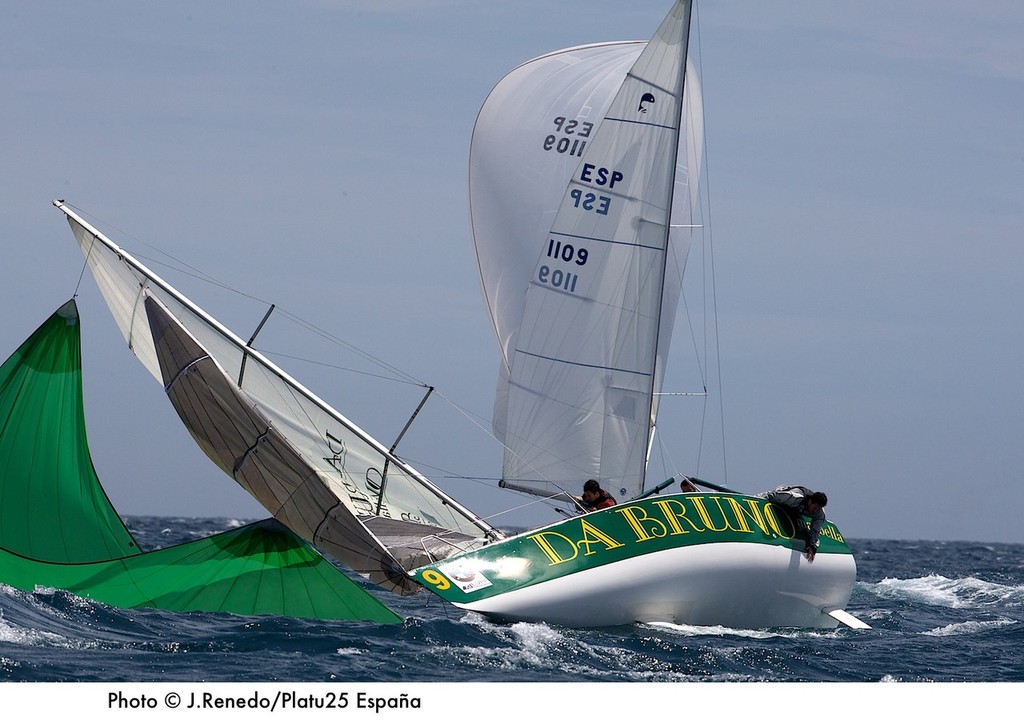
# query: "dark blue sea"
[[941, 612]]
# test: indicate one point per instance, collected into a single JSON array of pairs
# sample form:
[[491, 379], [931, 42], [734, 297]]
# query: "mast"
[[680, 88], [248, 352], [577, 266]]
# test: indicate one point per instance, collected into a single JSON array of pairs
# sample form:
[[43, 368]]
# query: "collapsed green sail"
[[58, 528]]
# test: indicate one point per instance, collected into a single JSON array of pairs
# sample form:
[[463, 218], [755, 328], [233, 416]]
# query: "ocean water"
[[940, 611]]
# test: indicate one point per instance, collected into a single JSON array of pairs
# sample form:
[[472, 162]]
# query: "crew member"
[[801, 500], [595, 497]]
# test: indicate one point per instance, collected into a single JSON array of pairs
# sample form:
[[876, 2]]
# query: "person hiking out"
[[803, 501]]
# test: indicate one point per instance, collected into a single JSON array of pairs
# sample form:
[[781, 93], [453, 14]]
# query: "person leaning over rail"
[[801, 500]]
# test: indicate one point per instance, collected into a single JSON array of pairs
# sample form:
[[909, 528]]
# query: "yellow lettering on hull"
[[665, 518], [642, 525], [547, 542], [592, 535], [675, 514]]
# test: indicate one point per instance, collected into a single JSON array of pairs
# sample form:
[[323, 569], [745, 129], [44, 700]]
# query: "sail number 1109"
[[568, 253]]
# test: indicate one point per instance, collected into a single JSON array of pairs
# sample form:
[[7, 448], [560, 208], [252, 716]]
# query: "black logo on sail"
[[645, 101]]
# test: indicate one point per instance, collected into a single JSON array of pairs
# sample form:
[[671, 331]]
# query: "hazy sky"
[[866, 168]]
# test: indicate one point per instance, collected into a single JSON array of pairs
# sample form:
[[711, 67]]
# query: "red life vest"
[[605, 501]]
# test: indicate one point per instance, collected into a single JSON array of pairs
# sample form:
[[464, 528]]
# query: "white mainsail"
[[528, 139], [312, 468], [581, 161]]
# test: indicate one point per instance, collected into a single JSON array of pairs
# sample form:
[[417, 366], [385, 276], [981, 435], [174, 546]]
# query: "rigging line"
[[491, 484], [711, 260], [479, 423], [669, 463], [533, 503], [411, 379], [693, 339], [85, 265], [178, 266], [472, 478], [183, 268], [338, 341], [342, 368], [474, 419]]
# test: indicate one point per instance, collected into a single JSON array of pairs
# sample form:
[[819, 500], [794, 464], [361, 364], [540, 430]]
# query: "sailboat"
[[585, 167], [581, 220]]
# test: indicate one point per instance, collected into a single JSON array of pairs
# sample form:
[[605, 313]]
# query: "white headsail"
[[582, 161], [312, 468]]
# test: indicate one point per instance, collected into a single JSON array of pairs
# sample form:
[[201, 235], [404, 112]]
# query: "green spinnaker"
[[58, 529]]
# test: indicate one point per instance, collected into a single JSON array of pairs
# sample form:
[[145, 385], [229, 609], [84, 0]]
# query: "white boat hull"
[[691, 558], [731, 584]]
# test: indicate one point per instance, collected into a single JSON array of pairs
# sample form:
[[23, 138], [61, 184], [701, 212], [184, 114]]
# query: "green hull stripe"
[[620, 533]]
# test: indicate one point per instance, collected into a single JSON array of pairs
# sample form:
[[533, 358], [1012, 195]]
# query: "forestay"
[[573, 165], [315, 470]]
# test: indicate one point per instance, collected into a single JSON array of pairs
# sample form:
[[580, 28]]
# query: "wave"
[[942, 613], [27, 621], [970, 627], [17, 635], [958, 593], [646, 652], [720, 630]]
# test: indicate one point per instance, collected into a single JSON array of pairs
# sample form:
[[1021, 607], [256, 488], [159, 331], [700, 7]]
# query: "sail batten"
[[613, 241], [581, 365], [629, 121]]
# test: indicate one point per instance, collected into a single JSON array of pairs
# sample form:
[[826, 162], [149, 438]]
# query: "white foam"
[[970, 627], [542, 647], [699, 630], [938, 590], [15, 635]]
